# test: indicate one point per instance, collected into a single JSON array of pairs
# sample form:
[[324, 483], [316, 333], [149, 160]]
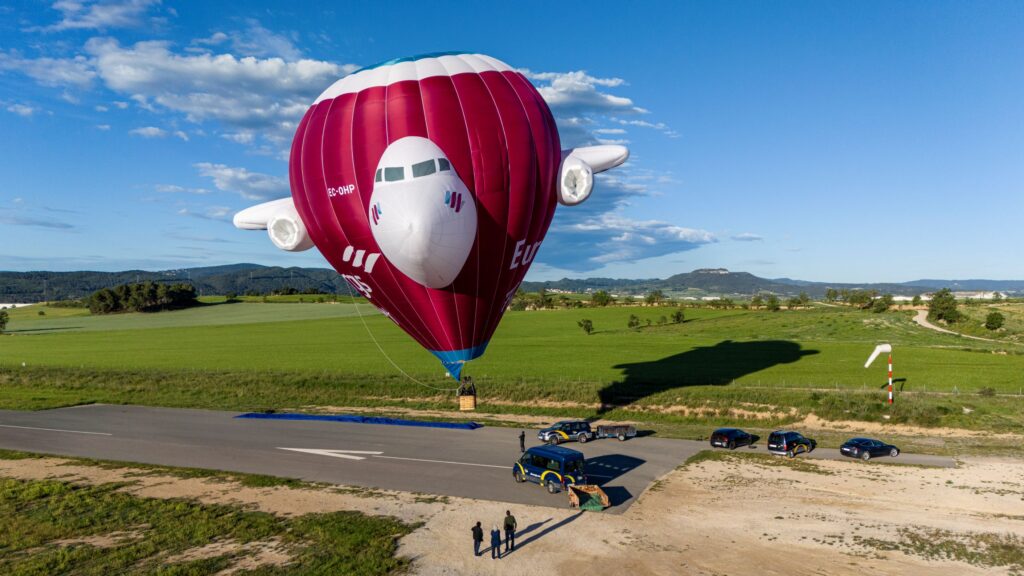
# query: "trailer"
[[620, 431], [588, 497]]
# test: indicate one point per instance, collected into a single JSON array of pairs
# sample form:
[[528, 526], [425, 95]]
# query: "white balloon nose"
[[421, 213]]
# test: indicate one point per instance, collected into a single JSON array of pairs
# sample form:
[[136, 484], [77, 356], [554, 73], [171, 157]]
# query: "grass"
[[985, 549], [41, 520], [758, 458], [729, 366]]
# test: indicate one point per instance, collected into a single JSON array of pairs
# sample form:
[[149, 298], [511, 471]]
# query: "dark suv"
[[788, 443], [565, 431]]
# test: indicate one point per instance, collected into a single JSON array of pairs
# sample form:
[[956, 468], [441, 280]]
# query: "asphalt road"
[[468, 463]]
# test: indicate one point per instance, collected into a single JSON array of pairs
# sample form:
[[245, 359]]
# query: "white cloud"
[[209, 213], [612, 237], [747, 237], [175, 189], [99, 15], [609, 131], [148, 132], [181, 134], [249, 185], [22, 110], [268, 95], [100, 108], [243, 137], [121, 105], [103, 127], [76, 71]]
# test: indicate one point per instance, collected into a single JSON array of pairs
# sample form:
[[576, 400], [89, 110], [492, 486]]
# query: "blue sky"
[[823, 141]]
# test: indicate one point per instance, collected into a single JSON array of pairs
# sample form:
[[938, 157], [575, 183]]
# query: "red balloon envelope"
[[429, 184]]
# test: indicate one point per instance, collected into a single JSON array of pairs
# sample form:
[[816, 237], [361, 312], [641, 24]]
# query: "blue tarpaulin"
[[355, 418]]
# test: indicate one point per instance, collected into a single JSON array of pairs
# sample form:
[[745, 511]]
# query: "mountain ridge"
[[244, 278]]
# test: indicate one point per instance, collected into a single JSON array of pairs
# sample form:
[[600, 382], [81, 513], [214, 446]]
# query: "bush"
[[586, 325], [987, 391], [994, 321]]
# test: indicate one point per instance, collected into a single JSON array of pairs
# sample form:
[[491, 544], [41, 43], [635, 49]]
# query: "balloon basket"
[[467, 402]]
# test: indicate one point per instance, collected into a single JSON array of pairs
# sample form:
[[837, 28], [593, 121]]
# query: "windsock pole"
[[890, 378]]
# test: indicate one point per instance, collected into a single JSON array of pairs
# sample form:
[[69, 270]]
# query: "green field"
[[262, 356]]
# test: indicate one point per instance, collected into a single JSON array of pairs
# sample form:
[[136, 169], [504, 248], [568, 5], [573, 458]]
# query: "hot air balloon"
[[429, 183]]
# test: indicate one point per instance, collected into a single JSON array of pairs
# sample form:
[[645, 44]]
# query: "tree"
[[997, 297], [994, 321], [917, 300], [654, 297], [943, 307], [792, 302], [662, 320], [756, 301], [882, 304], [587, 326], [634, 321], [803, 298], [601, 298], [4, 317], [831, 294], [677, 317], [773, 303]]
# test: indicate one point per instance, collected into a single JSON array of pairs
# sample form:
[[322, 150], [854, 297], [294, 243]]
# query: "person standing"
[[495, 542], [522, 441], [510, 531], [478, 538]]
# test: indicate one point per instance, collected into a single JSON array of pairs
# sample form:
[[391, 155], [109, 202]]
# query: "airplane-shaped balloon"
[[429, 183]]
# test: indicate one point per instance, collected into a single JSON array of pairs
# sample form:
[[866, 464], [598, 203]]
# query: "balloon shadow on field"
[[716, 365]]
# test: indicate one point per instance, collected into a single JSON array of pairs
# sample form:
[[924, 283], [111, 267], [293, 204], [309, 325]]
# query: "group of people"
[[510, 537]]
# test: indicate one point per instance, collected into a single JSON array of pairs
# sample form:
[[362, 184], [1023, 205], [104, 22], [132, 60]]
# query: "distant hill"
[[237, 278], [722, 282], [254, 278]]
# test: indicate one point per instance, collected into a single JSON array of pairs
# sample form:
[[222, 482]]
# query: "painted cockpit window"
[[419, 169], [425, 168]]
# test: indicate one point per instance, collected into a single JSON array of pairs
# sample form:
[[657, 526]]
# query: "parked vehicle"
[[784, 442], [565, 431], [553, 467], [620, 431], [867, 448], [731, 438]]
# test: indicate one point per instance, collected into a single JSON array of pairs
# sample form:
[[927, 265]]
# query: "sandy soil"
[[715, 517]]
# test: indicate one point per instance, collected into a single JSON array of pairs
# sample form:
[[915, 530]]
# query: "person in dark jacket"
[[510, 531], [478, 538], [522, 441], [495, 542]]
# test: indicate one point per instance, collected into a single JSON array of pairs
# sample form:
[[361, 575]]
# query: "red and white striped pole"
[[890, 378], [883, 349]]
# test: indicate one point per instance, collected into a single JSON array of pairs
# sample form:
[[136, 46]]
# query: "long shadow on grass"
[[716, 365]]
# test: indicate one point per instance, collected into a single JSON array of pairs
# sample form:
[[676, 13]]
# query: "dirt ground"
[[734, 516]]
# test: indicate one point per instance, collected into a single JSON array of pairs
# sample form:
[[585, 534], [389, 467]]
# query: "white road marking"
[[443, 462], [346, 454], [55, 430]]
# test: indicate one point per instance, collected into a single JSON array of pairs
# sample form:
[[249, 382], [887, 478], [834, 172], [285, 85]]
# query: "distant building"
[[978, 295]]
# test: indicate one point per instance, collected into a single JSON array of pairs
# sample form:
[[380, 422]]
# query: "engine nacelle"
[[576, 174], [281, 221]]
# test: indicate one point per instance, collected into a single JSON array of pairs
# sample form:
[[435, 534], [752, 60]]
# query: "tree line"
[[142, 297]]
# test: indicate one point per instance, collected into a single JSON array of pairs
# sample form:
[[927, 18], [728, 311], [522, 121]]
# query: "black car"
[[867, 448], [788, 443], [731, 438]]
